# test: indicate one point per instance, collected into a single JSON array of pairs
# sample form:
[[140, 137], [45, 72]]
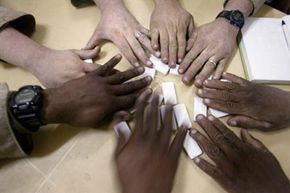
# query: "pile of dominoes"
[[180, 115]]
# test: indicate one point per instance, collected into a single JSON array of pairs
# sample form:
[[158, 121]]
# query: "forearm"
[[245, 6], [18, 49], [108, 4]]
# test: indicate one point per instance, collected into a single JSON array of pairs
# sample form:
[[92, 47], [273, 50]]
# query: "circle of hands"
[[147, 162]]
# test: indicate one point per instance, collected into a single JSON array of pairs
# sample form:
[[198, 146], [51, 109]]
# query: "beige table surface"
[[73, 160]]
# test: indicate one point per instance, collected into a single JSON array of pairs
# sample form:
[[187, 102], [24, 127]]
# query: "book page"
[[266, 49]]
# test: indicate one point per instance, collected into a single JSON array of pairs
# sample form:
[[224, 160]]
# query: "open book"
[[265, 50]]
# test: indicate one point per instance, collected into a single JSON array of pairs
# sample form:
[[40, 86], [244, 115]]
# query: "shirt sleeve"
[[23, 22], [82, 3], [256, 3], [12, 143]]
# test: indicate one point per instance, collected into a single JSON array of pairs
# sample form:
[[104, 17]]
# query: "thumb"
[[248, 138], [90, 67], [94, 40], [88, 53]]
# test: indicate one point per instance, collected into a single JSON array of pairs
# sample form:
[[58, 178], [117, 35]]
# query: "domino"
[[217, 113], [174, 71], [124, 129], [159, 65], [162, 112], [191, 147], [199, 107], [182, 116], [169, 93], [89, 61], [149, 72]]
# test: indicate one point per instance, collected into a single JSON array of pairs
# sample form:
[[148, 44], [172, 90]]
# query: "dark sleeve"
[[82, 3]]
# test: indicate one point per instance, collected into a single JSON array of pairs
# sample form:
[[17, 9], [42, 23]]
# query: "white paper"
[[174, 71], [198, 107], [124, 129], [149, 72], [191, 147], [217, 113], [159, 65], [169, 93], [89, 61], [162, 112], [182, 116]]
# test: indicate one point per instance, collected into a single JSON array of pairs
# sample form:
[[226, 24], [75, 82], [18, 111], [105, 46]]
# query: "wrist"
[[162, 2], [246, 7], [106, 5], [224, 23], [51, 109], [33, 63]]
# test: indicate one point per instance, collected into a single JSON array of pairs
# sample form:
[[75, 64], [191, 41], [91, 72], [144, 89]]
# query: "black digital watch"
[[235, 17], [25, 106]]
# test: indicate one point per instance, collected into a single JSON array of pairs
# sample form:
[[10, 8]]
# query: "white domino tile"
[[89, 61], [159, 65], [191, 147], [162, 112], [181, 115], [199, 107], [169, 93]]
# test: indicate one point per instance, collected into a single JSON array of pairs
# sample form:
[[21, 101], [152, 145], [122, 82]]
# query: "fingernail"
[[165, 60], [268, 125], [205, 82], [211, 118], [197, 160], [198, 82], [180, 70], [232, 122], [206, 101], [148, 79], [193, 132], [179, 60], [199, 117], [140, 70], [172, 65], [186, 79], [224, 73], [155, 46], [158, 54], [149, 63], [136, 64], [118, 56], [200, 91]]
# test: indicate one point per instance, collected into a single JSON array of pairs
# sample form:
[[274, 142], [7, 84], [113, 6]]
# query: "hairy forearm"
[[245, 6], [108, 4], [18, 49]]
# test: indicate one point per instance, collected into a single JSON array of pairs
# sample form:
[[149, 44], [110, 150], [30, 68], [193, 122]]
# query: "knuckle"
[[219, 139], [215, 152]]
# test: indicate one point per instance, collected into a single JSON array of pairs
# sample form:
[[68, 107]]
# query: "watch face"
[[24, 96], [237, 16]]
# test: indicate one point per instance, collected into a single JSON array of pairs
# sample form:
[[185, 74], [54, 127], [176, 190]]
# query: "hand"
[[120, 27], [241, 165], [209, 50], [54, 67], [170, 27], [147, 162], [87, 101], [253, 106]]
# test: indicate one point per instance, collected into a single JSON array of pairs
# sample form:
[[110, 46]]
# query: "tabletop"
[[77, 160]]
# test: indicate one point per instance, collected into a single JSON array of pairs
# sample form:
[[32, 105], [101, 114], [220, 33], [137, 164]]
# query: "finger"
[[140, 108], [217, 137], [226, 132], [164, 46], [122, 77], [189, 58], [139, 51], [95, 40], [209, 148], [165, 131], [249, 123], [208, 168], [154, 34], [90, 67], [225, 106], [177, 144], [235, 79], [205, 73], [220, 69], [88, 54], [217, 95], [195, 67], [191, 27], [191, 40], [145, 42], [249, 139], [125, 48], [153, 118], [172, 49], [107, 67], [131, 87], [221, 85], [181, 41], [121, 138]]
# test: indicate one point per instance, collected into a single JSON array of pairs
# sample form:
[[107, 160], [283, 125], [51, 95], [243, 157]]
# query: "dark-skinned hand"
[[253, 106], [148, 162], [240, 165], [98, 95]]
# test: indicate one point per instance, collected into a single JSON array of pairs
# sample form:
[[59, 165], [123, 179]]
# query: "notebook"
[[265, 51]]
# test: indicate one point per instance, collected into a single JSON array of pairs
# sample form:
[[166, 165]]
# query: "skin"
[[51, 67], [240, 165], [149, 151], [252, 106], [93, 98], [119, 26], [214, 41], [170, 26]]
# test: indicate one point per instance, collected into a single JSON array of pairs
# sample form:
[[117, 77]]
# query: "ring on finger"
[[212, 62], [138, 34]]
